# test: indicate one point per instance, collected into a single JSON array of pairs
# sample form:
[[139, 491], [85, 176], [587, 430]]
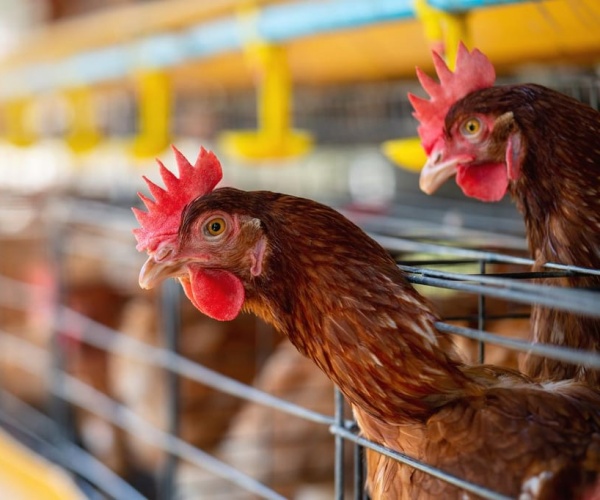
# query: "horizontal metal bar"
[[531, 275], [527, 275], [151, 355], [566, 299], [499, 219], [85, 396], [569, 354], [113, 341], [101, 336], [405, 459], [497, 279], [436, 262], [406, 245]]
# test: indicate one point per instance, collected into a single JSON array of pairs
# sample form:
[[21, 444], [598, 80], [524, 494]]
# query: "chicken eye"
[[215, 227], [471, 127]]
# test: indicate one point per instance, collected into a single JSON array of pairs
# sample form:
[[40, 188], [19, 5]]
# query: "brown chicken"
[[343, 302], [294, 455], [544, 149]]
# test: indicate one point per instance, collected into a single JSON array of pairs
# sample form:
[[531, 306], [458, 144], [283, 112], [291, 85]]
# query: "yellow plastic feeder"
[[18, 128], [154, 105], [274, 138], [406, 153], [83, 135], [444, 31]]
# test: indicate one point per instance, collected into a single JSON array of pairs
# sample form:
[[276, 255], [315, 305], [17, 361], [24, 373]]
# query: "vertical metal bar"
[[265, 345], [339, 445], [594, 90], [481, 316], [59, 409], [170, 302], [359, 472]]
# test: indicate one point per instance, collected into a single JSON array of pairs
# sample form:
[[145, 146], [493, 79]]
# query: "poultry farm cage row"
[[140, 397]]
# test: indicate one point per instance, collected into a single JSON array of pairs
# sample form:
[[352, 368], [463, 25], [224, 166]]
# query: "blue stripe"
[[276, 23]]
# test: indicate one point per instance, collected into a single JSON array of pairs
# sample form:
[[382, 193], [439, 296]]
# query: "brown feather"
[[342, 301], [558, 193]]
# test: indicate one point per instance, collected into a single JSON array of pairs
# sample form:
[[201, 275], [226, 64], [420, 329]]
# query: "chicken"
[[290, 453], [544, 149], [343, 302]]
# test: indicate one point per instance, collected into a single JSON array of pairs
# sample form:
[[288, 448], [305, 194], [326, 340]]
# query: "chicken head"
[[207, 258], [482, 149]]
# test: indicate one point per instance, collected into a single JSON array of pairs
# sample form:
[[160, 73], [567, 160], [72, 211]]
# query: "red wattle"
[[218, 294], [487, 182]]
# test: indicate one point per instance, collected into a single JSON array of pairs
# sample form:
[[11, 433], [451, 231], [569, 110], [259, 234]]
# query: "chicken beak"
[[154, 272], [437, 171]]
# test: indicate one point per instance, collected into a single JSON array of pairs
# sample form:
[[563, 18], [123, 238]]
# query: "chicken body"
[[544, 149], [342, 301]]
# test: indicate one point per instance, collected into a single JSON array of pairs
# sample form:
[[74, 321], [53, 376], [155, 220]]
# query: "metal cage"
[[480, 257], [448, 248]]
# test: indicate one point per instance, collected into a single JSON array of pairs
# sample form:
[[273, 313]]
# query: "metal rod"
[[104, 337], [171, 321], [339, 480], [585, 358], [565, 299], [58, 407], [87, 397], [101, 336], [481, 317], [359, 472], [406, 245]]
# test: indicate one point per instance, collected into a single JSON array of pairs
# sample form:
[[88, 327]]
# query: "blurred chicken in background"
[[292, 454]]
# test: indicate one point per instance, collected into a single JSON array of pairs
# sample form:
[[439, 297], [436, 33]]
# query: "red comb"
[[473, 71], [164, 212]]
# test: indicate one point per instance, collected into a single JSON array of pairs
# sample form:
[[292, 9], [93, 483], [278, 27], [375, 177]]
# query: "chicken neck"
[[342, 301], [558, 195]]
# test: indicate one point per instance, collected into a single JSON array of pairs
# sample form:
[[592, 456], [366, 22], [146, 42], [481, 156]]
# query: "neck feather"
[[347, 306]]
